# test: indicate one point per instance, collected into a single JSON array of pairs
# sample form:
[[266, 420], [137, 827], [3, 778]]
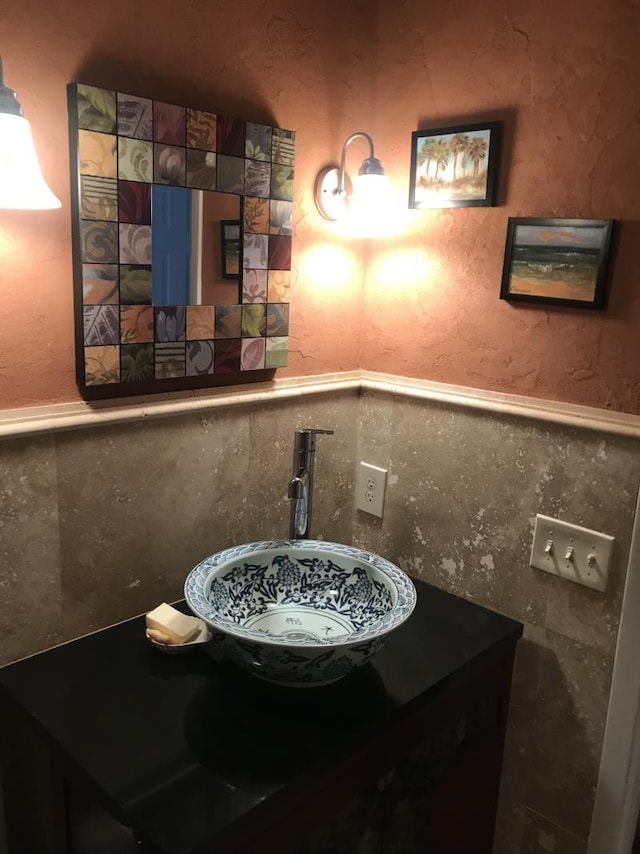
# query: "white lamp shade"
[[370, 189], [22, 186], [370, 210]]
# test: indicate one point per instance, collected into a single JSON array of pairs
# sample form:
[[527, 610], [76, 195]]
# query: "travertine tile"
[[567, 735], [141, 504], [599, 491], [272, 441], [513, 784], [162, 496], [30, 616], [544, 837], [518, 742], [466, 487], [376, 430]]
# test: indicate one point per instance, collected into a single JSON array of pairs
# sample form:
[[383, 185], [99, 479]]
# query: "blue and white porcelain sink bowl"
[[300, 612]]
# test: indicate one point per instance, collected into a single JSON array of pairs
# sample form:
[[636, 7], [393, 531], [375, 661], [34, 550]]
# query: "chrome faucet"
[[301, 484]]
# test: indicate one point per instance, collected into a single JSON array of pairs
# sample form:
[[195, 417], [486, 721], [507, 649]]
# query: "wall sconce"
[[334, 191], [22, 186]]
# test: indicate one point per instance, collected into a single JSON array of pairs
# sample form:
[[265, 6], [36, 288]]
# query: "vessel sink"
[[299, 612]]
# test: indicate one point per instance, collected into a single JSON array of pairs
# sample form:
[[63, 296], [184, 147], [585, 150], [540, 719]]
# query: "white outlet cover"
[[574, 553], [372, 485]]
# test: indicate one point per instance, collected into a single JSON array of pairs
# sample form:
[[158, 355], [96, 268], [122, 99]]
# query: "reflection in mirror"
[[189, 262]]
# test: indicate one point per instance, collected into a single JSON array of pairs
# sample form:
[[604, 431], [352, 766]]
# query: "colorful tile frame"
[[120, 146]]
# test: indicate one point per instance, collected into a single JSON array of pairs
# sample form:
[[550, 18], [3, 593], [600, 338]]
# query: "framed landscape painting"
[[454, 166], [230, 243], [561, 261]]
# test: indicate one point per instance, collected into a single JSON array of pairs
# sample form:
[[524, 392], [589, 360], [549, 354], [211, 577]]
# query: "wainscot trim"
[[567, 414], [35, 420]]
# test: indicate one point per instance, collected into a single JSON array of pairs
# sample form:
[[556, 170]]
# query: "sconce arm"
[[333, 186], [343, 159]]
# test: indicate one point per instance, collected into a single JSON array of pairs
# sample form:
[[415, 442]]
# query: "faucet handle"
[[305, 440]]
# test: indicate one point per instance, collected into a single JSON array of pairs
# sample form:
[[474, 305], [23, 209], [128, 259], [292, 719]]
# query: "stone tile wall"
[[100, 524], [464, 489]]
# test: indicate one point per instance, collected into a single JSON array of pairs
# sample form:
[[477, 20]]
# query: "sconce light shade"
[[333, 190], [22, 186]]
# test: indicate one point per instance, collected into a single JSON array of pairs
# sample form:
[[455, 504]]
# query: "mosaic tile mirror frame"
[[126, 151]]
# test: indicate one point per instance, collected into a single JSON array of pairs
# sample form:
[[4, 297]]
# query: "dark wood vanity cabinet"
[[120, 749], [428, 785]]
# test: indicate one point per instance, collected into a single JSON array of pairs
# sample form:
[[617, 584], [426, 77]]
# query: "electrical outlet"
[[372, 484], [571, 552]]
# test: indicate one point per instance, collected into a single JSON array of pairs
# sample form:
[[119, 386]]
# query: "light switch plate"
[[574, 553]]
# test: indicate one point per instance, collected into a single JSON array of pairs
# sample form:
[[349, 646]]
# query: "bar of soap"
[[176, 627]]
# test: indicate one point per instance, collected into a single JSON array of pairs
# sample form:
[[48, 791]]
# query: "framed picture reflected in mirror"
[[230, 248]]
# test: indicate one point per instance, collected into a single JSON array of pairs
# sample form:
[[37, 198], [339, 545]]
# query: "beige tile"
[[465, 487], [30, 617], [543, 837], [567, 734], [518, 742], [376, 428], [599, 491], [513, 784], [527, 666], [141, 504], [272, 441]]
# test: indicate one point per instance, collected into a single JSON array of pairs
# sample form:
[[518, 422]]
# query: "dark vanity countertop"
[[182, 749]]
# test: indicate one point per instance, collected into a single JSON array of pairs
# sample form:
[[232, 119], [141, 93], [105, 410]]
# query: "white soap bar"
[[179, 628]]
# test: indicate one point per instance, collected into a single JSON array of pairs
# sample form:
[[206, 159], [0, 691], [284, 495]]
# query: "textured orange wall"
[[564, 77], [283, 62]]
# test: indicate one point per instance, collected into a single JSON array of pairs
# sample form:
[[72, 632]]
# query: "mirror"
[[195, 240], [181, 244]]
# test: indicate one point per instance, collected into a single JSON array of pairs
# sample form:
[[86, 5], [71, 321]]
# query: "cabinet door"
[[355, 828]]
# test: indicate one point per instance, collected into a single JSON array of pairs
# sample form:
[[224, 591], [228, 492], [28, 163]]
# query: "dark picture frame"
[[453, 167], [230, 248], [562, 262]]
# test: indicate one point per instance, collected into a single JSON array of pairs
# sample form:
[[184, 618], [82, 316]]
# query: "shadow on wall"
[[176, 86], [3, 831], [540, 761], [623, 262]]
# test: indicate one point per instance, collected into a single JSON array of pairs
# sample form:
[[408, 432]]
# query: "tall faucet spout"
[[301, 484]]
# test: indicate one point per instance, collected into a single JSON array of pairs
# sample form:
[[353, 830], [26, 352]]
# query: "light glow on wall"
[[8, 246], [329, 266], [398, 271]]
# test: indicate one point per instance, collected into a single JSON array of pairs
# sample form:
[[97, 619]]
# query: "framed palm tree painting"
[[454, 167]]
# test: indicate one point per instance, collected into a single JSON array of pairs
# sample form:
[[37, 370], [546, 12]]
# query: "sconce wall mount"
[[333, 187]]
